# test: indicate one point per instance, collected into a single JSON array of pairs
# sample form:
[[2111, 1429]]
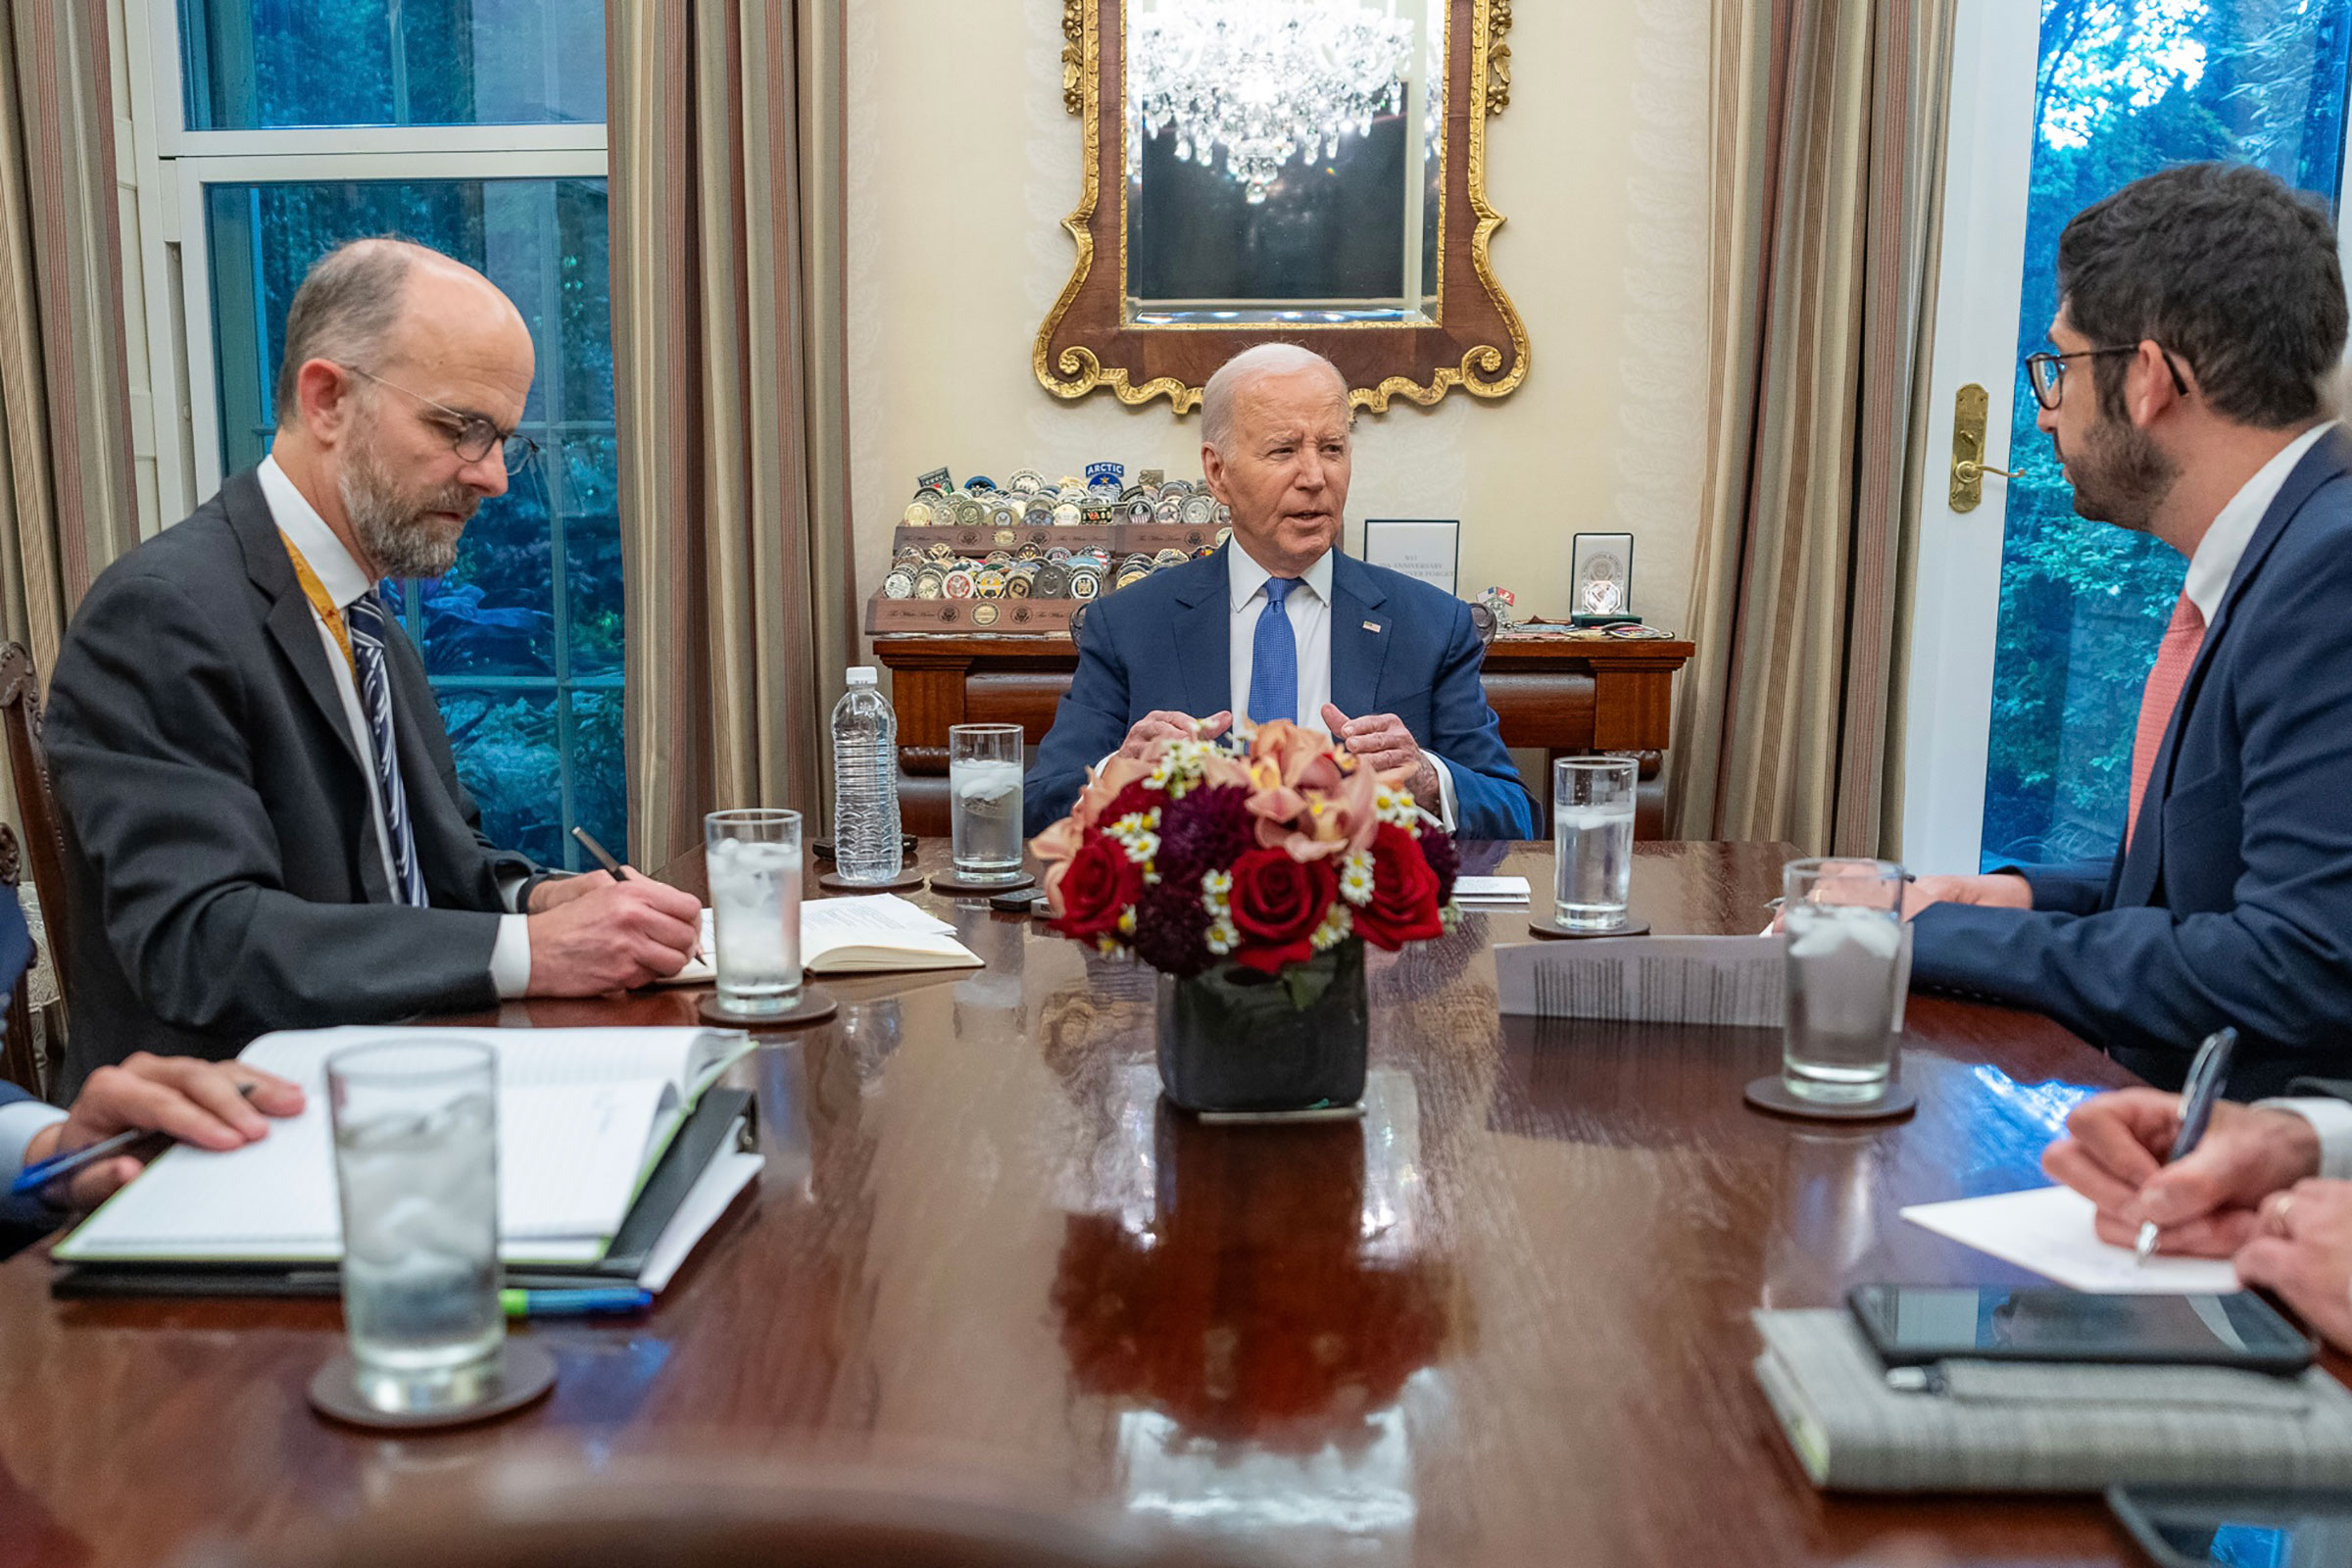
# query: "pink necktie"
[[2174, 658]]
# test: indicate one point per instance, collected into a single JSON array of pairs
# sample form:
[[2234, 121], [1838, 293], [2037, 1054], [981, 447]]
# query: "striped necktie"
[[2175, 657], [366, 618]]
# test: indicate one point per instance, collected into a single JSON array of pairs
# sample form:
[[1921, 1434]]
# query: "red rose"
[[1403, 906], [1136, 800], [1097, 889], [1277, 905]]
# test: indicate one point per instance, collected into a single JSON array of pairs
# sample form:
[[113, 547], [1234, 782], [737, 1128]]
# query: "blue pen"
[[595, 1302], [32, 1178], [2206, 1075]]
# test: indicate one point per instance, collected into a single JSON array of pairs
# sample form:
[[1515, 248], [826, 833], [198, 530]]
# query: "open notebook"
[[583, 1116], [864, 934]]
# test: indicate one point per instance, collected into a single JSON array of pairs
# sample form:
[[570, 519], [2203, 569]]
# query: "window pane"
[[253, 63], [2125, 91], [502, 625]]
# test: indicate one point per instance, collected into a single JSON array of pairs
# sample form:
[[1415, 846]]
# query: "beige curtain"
[[66, 506], [1827, 160], [729, 342]]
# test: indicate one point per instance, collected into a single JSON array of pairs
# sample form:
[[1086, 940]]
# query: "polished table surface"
[[1501, 1320]]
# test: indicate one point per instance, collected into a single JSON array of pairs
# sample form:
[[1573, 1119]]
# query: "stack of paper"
[[583, 1117], [866, 934], [1490, 892]]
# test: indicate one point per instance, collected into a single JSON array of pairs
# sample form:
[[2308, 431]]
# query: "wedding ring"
[[2275, 1209]]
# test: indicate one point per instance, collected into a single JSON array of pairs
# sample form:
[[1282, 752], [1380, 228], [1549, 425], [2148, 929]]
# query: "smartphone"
[[1910, 1325], [2209, 1527], [1027, 901]]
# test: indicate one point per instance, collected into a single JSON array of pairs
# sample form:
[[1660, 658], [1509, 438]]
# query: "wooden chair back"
[[665, 1514], [19, 1058], [36, 802]]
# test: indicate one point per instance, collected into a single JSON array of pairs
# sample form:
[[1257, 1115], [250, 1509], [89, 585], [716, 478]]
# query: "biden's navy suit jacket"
[[1397, 646], [2232, 902]]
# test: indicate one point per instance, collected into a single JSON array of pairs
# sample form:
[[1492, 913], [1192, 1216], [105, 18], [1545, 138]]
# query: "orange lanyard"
[[328, 611]]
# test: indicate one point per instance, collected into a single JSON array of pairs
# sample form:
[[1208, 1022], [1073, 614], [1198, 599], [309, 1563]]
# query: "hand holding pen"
[[2206, 1075], [126, 1115]]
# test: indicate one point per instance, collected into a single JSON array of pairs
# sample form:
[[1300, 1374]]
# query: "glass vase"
[[1238, 1040]]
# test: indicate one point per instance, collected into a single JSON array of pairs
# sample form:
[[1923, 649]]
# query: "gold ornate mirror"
[[1310, 170]]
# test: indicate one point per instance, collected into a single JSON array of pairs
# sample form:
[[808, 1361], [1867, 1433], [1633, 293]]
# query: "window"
[[2124, 89], [474, 126]]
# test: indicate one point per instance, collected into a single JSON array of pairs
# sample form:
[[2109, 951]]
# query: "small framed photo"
[[1601, 573], [1429, 549]]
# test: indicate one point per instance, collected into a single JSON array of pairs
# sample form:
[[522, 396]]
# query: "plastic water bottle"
[[865, 783]]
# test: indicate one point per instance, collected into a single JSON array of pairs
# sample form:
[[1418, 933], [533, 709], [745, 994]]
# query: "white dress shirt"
[[2210, 570], [1308, 607], [19, 1120], [345, 583]]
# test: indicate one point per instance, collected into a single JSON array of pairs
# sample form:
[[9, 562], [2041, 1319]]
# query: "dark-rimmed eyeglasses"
[[2047, 371], [471, 436]]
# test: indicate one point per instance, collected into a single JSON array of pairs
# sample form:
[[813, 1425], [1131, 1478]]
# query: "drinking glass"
[[754, 860], [415, 1123], [1843, 925], [984, 785], [1592, 841]]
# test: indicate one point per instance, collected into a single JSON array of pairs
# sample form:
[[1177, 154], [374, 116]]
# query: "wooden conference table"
[[1503, 1321]]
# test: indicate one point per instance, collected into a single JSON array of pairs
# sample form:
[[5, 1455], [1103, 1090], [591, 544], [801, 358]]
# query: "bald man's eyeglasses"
[[471, 436], [2047, 371]]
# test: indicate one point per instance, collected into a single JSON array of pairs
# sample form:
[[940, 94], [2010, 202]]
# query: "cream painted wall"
[[964, 164]]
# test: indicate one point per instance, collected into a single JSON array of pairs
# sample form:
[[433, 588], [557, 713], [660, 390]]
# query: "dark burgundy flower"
[[1277, 905], [1208, 830], [1135, 799], [1403, 906], [1171, 929], [1098, 887], [1444, 857]]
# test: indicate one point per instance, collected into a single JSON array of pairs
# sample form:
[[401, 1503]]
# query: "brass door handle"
[[1968, 467]]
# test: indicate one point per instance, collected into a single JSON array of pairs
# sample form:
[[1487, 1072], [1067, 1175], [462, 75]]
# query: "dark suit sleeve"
[[158, 785], [1090, 723], [2077, 887], [1490, 801], [2279, 963]]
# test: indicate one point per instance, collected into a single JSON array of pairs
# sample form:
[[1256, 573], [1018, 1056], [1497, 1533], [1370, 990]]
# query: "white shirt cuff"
[[19, 1120], [1445, 791], [509, 888], [510, 956], [2332, 1119]]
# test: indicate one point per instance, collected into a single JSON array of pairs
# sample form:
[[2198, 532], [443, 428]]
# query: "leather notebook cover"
[[2026, 1427]]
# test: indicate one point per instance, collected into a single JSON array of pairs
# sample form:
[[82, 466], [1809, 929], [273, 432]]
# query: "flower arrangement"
[[1261, 854]]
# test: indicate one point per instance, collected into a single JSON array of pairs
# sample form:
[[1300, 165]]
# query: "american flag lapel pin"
[[1371, 626]]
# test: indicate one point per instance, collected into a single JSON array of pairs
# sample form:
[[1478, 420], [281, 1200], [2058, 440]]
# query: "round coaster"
[[812, 1005], [1769, 1092], [1557, 933], [526, 1373], [908, 880], [950, 882]]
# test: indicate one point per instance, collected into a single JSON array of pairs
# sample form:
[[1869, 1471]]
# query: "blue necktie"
[[365, 618], [1274, 658]]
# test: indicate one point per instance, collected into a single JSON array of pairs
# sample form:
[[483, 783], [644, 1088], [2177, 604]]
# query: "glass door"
[[2035, 629]]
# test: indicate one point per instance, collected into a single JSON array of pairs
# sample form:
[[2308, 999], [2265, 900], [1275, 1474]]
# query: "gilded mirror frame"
[[1476, 342]]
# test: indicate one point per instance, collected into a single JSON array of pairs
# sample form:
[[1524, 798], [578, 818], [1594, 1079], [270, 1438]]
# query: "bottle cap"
[[861, 676]]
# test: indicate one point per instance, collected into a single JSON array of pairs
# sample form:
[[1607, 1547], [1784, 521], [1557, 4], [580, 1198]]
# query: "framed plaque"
[[1601, 576], [1428, 549]]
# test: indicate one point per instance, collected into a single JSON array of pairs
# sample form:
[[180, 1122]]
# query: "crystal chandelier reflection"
[[1265, 80]]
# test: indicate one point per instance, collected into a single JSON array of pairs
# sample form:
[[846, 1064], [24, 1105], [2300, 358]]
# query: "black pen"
[[2206, 1075], [36, 1177], [604, 856]]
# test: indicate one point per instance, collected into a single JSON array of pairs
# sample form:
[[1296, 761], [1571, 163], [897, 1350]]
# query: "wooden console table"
[[1554, 695]]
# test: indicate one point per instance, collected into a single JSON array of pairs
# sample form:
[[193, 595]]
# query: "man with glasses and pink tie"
[[2190, 394], [264, 823]]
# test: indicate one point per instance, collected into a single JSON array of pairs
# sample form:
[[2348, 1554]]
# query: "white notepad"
[[1485, 890], [871, 932], [2049, 1230], [584, 1114]]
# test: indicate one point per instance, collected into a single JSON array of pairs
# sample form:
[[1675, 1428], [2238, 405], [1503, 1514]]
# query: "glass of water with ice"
[[1592, 841], [1842, 923], [754, 860], [984, 779], [416, 1126]]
